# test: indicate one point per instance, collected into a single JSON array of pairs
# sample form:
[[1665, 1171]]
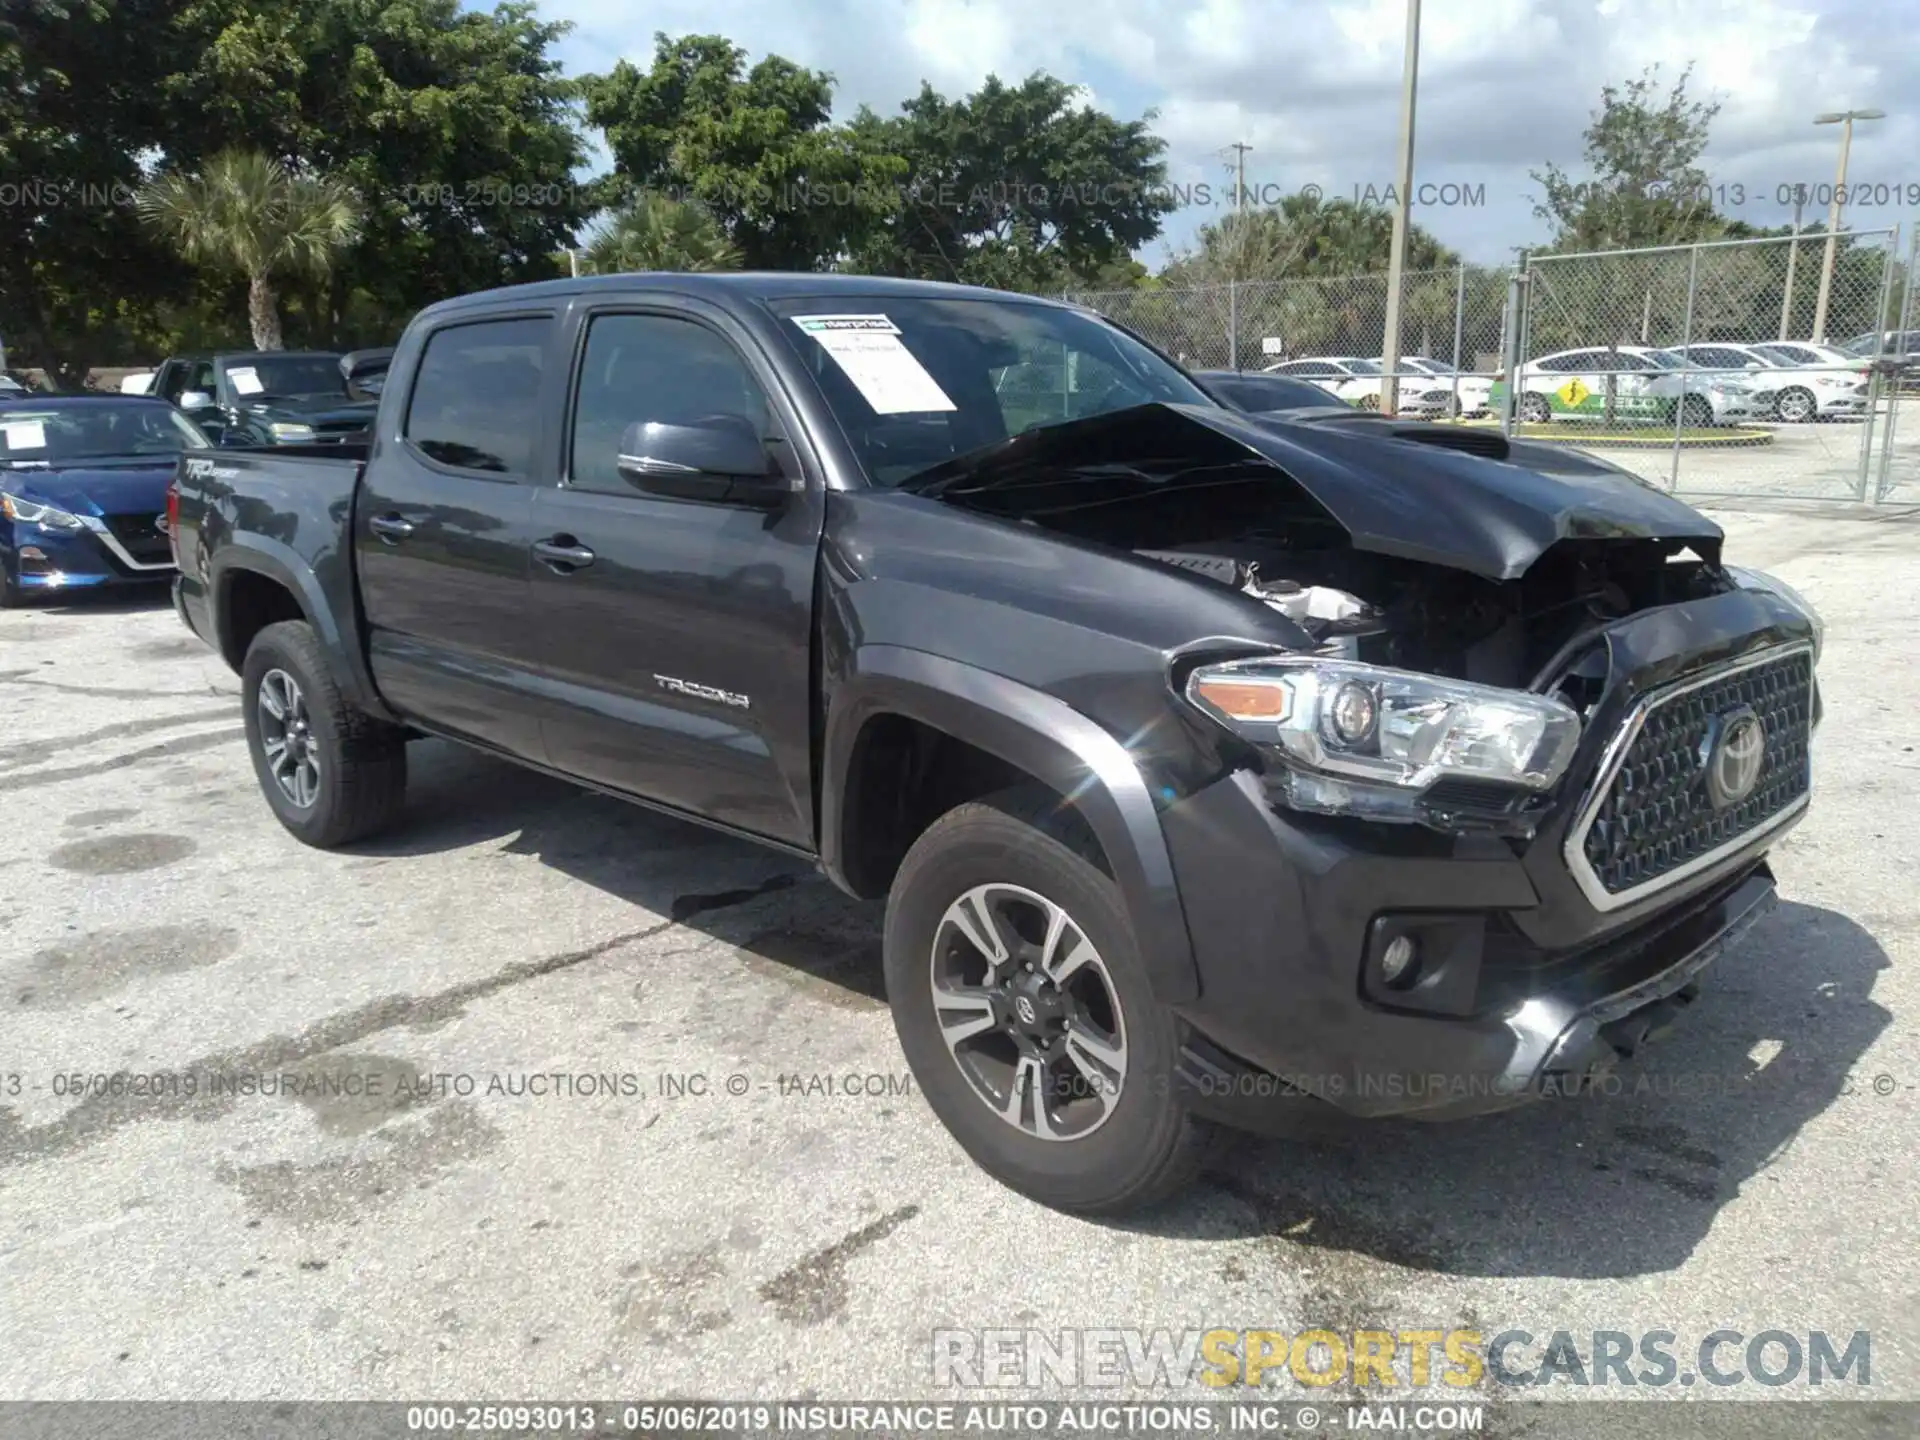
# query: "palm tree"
[[247, 212], [655, 232]]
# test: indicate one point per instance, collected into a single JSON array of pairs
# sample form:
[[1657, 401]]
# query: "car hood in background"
[[1395, 488], [315, 409], [87, 488]]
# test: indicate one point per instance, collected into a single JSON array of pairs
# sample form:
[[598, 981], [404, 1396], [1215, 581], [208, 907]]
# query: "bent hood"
[[1396, 489], [139, 488]]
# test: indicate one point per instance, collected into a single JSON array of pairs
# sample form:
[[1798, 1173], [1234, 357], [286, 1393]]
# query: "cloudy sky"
[[1505, 85]]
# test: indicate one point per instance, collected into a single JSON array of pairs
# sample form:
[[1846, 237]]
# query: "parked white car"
[[1649, 386], [1359, 381], [1814, 389], [1474, 392]]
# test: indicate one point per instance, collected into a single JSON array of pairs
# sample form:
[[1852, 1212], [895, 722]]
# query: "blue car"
[[83, 491]]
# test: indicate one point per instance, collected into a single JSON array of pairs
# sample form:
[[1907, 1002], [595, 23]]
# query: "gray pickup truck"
[[1206, 761]]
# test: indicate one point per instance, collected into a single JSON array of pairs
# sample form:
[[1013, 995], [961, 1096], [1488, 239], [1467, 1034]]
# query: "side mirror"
[[195, 400], [723, 461]]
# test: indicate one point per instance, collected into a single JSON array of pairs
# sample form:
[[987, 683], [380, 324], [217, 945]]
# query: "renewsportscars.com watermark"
[[1415, 1359]]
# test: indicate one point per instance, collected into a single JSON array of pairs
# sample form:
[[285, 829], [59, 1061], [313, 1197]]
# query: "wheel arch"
[[1024, 734], [257, 581]]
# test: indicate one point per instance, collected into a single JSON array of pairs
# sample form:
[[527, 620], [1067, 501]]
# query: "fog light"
[[1352, 712], [33, 560], [1397, 961]]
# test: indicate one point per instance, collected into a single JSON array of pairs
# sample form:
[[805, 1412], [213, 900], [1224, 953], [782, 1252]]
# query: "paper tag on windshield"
[[245, 381], [868, 349], [25, 435]]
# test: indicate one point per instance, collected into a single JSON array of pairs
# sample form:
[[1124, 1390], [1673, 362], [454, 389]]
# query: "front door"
[[443, 534], [678, 638]]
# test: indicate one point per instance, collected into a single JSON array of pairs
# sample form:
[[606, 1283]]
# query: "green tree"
[[755, 148], [656, 233], [249, 213], [454, 126], [1644, 186], [1022, 186], [1303, 237]]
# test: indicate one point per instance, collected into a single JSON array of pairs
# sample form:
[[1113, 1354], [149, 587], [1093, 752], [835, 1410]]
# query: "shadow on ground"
[[1623, 1182]]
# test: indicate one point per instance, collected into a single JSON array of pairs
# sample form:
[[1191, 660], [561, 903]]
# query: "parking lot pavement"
[[695, 1206]]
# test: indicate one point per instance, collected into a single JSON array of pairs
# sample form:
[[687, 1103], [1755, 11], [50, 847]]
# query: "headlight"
[[1361, 739], [32, 512], [1773, 585], [1836, 382], [290, 430]]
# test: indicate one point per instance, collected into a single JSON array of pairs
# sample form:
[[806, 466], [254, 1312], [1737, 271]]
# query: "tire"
[[1796, 405], [1696, 413], [1119, 1146], [12, 597], [357, 781], [1368, 402], [1534, 409]]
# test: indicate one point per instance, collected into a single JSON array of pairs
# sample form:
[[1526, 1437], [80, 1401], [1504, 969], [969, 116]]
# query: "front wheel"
[[1696, 413], [1534, 409], [1796, 405], [330, 773], [1024, 1009]]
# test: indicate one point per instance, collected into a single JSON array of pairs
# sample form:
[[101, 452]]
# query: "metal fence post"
[[1883, 482], [1233, 324], [1878, 386], [1459, 327], [1513, 343], [1686, 338]]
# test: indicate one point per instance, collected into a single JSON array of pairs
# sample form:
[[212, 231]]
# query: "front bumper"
[[43, 559], [1526, 986]]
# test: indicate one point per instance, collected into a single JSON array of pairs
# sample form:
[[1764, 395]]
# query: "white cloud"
[[1506, 85]]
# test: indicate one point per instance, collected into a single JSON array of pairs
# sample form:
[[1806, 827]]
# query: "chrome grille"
[[1651, 821]]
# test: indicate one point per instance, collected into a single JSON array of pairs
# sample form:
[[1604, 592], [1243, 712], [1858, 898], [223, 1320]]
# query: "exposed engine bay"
[[1520, 634]]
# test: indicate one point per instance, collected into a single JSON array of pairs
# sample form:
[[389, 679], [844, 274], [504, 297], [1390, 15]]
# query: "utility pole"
[[1396, 263], [1238, 251], [1844, 119], [1793, 257]]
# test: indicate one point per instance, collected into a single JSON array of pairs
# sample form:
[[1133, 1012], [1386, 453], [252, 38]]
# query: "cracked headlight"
[[1773, 585], [32, 512], [1366, 740]]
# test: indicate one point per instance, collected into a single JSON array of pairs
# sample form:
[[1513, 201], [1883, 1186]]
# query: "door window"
[[476, 395], [654, 369]]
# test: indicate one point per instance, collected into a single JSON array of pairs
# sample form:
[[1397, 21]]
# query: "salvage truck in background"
[[1206, 761]]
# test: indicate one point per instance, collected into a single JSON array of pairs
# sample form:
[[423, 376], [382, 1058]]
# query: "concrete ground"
[[730, 1191]]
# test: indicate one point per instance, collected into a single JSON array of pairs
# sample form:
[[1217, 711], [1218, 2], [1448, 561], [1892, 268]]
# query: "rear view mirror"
[[722, 461]]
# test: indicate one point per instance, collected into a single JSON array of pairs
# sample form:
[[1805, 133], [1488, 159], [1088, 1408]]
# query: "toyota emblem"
[[1026, 1011], [1736, 749]]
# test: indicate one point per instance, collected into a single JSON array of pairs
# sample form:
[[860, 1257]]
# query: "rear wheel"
[[1796, 405], [330, 773], [1025, 1011], [1534, 409]]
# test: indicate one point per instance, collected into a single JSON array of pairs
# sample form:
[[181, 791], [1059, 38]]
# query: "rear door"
[[679, 640], [442, 529]]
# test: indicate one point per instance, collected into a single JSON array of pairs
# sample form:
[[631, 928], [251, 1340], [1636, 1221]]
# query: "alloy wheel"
[[1796, 406], [287, 739], [1029, 1011]]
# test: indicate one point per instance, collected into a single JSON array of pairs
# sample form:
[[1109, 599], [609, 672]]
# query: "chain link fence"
[[1745, 367], [1733, 368]]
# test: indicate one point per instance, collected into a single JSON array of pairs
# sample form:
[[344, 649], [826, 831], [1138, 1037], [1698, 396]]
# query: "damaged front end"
[[1456, 603]]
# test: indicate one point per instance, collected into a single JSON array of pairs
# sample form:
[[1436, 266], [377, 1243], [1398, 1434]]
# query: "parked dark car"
[[275, 397], [1206, 762], [84, 483], [1258, 393]]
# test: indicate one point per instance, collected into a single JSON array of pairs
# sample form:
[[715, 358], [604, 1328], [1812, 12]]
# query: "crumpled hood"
[[83, 489], [1392, 495]]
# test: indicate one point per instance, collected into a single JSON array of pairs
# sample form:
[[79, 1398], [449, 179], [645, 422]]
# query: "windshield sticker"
[[25, 435], [245, 380], [868, 349]]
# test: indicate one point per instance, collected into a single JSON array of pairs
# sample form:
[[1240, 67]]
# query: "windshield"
[[1667, 360], [1436, 367], [1359, 367], [287, 376], [91, 430], [916, 380]]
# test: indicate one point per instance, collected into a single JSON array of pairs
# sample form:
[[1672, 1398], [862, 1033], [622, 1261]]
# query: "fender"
[[1044, 737], [244, 550]]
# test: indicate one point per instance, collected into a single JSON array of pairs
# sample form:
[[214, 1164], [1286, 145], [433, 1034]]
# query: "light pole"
[[1397, 257], [1793, 257], [1844, 119]]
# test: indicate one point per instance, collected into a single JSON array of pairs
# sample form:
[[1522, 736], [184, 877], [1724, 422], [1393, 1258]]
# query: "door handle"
[[562, 554], [391, 528]]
